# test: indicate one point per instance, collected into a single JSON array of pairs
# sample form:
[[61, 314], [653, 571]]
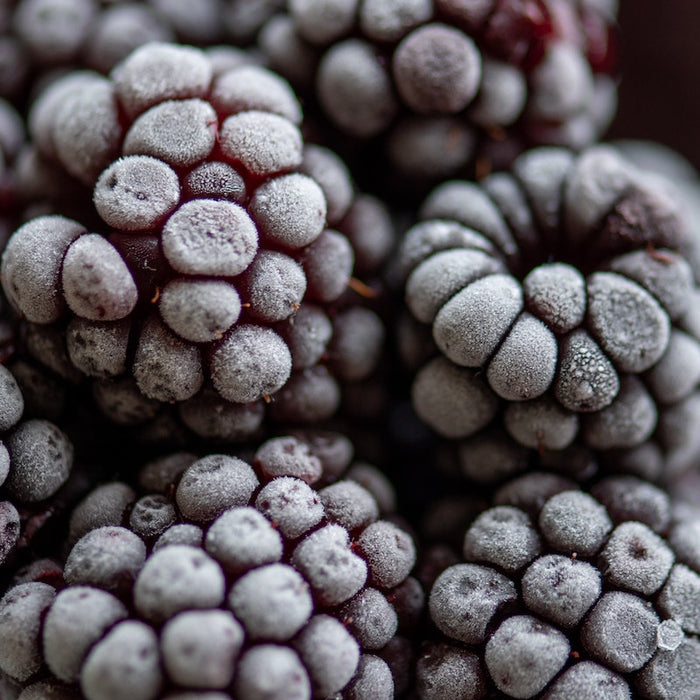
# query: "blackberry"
[[215, 280], [556, 294], [279, 576], [564, 591], [444, 86]]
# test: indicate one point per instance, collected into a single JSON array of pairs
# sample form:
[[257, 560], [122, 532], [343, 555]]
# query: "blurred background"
[[660, 88]]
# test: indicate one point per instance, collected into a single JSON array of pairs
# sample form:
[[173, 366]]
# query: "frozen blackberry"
[[277, 577], [219, 228], [597, 609], [561, 287], [444, 85]]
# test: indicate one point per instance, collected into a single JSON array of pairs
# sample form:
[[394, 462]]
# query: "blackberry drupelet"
[[559, 301], [217, 280], [441, 86], [565, 592], [281, 577]]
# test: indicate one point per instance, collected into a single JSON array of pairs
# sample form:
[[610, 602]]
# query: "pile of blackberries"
[[339, 359]]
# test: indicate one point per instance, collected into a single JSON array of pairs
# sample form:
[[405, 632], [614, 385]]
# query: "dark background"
[[660, 86]]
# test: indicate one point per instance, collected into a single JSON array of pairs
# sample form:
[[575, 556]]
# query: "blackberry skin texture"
[[216, 278], [36, 460], [277, 577], [559, 300], [565, 593], [443, 87]]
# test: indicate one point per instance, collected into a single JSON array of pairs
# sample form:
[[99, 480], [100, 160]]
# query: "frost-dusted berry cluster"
[[448, 81], [556, 296], [277, 580], [569, 593], [36, 459], [220, 270]]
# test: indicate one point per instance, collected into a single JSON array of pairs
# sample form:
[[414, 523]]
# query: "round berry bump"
[[437, 69], [200, 647], [556, 293], [98, 349], [156, 72], [290, 210], [11, 400], [371, 619], [41, 458], [561, 85], [455, 402], [31, 265], [677, 431], [502, 95], [308, 397], [97, 284], [561, 589], [210, 237], [199, 310], [252, 362], [532, 348], [184, 534], [490, 457], [684, 539], [289, 456], [627, 422], [629, 324], [270, 671], [10, 528], [590, 680], [573, 521], [107, 557], [524, 654], [447, 672], [180, 132], [373, 679], [354, 88], [327, 562], [105, 505], [470, 326], [440, 276], [273, 602], [166, 368], [248, 88], [214, 180], [124, 664], [335, 180], [464, 599], [329, 652], [177, 578], [273, 286], [629, 498], [677, 373], [671, 674], [307, 334], [21, 611], [241, 539], [152, 515], [328, 265], [503, 536], [586, 379], [212, 484], [136, 193], [291, 504], [620, 631], [679, 598], [541, 424], [78, 617], [123, 402], [357, 343], [262, 142], [389, 552], [392, 19], [636, 559], [350, 505]]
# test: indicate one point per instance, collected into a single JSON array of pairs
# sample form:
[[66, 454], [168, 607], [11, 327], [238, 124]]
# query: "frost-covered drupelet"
[[558, 304], [446, 84], [219, 254], [564, 592], [279, 577]]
